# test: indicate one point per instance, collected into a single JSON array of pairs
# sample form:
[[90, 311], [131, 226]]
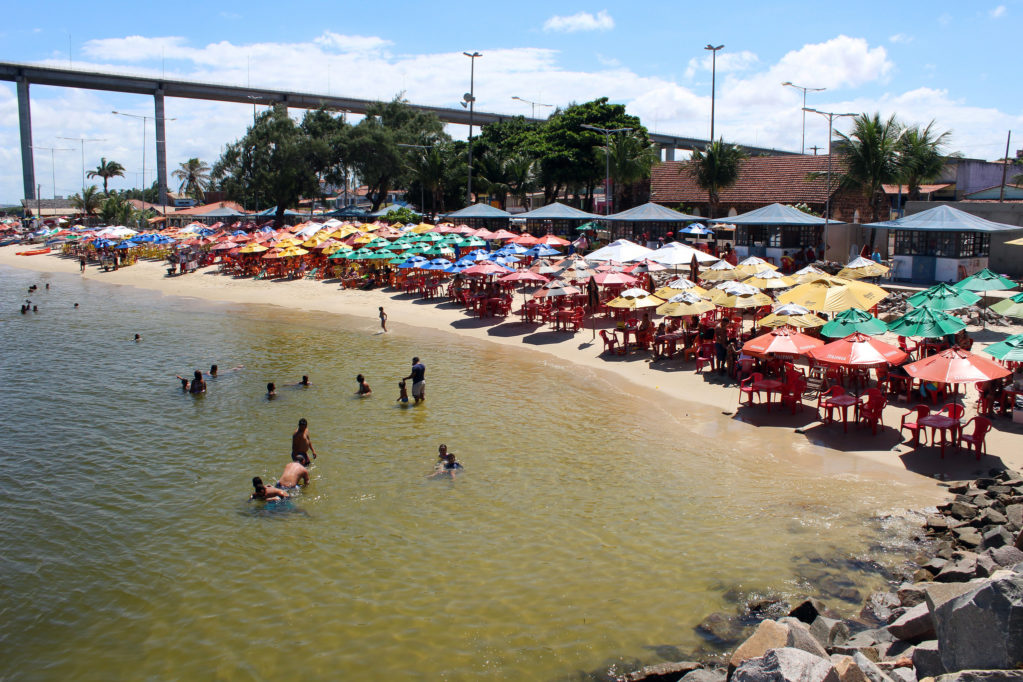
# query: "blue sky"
[[952, 62]]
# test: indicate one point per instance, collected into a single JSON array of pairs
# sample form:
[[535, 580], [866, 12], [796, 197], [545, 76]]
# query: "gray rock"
[[936, 522], [828, 632], [963, 568], [808, 610], [870, 669], [986, 565], [786, 665], [992, 517], [1014, 516], [896, 651], [775, 635], [666, 672], [983, 628], [967, 536], [705, 675], [962, 510], [911, 594], [847, 669], [927, 659], [902, 675], [982, 676], [1004, 556], [997, 536], [915, 625], [720, 628], [937, 594], [870, 638], [922, 575]]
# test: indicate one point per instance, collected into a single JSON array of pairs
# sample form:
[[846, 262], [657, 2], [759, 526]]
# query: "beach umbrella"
[[678, 286], [1016, 242], [428, 237], [412, 262], [753, 265], [484, 233], [807, 274], [674, 254], [1007, 350], [720, 271], [770, 279], [486, 268], [475, 256], [525, 239], [858, 350], [608, 278], [831, 295], [645, 265], [926, 323], [575, 269], [556, 287], [634, 299], [943, 297], [551, 240], [684, 304], [792, 315], [610, 266], [956, 366], [439, 250], [622, 251], [725, 299], [540, 251], [511, 249], [853, 320], [696, 230], [435, 264], [523, 276], [506, 261], [382, 254], [1011, 307], [861, 267], [253, 248], [504, 234], [783, 342], [985, 280]]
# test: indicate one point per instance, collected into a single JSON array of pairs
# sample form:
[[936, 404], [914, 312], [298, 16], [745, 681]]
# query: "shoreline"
[[704, 402]]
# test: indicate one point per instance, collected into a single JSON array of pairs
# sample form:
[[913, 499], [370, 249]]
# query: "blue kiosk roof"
[[775, 214], [944, 219]]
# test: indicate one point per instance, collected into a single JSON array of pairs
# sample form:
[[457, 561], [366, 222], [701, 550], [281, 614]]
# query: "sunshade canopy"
[[926, 323], [859, 350], [1010, 349], [943, 297], [557, 211], [956, 366], [1011, 307], [478, 211], [651, 212], [781, 342], [622, 251], [853, 320], [775, 214], [985, 280], [943, 219]]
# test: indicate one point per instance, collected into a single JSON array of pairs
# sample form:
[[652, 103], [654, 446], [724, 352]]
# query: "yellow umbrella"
[[292, 251], [422, 227], [727, 300], [1016, 242], [334, 248], [828, 295], [344, 231], [631, 299], [684, 305], [807, 274], [792, 315], [253, 248], [753, 265], [770, 279], [862, 267], [720, 271], [678, 286]]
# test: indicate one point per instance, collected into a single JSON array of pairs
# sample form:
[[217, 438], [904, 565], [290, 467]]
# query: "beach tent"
[[775, 214], [557, 211]]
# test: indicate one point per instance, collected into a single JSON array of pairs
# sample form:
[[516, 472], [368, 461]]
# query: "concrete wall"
[[1006, 260]]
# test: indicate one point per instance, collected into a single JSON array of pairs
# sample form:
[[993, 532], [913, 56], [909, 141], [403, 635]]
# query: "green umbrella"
[[338, 255], [439, 250], [1011, 307], [985, 280], [943, 297], [382, 254], [361, 254], [1011, 349], [587, 226], [470, 242], [853, 320], [428, 237], [927, 323], [376, 243]]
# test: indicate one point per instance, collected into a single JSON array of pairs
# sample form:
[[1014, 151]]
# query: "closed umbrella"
[[853, 320], [926, 323], [943, 297], [1011, 307]]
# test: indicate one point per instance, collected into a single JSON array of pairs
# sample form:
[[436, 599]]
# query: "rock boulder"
[[786, 665], [983, 628]]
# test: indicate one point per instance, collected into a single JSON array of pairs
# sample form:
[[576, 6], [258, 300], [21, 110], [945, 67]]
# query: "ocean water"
[[591, 529]]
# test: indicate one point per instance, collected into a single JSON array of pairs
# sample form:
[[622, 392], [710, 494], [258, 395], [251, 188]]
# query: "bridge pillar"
[[669, 152], [28, 172], [161, 147]]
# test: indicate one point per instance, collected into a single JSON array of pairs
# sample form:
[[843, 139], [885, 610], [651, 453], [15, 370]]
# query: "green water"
[[590, 530]]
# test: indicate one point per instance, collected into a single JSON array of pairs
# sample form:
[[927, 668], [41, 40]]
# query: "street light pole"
[[53, 164], [802, 146], [607, 160], [831, 116], [144, 119], [532, 105], [422, 199], [713, 83], [469, 99], [82, 140]]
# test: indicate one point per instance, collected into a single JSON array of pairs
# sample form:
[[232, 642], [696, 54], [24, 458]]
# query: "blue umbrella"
[[541, 251], [100, 243], [126, 245], [696, 229], [239, 233], [506, 261], [414, 262], [476, 255], [455, 268], [436, 264], [511, 250]]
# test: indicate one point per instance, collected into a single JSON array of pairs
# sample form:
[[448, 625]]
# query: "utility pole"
[[1005, 167], [53, 165], [469, 99], [827, 204], [607, 160], [532, 105], [713, 84], [82, 140], [790, 84], [815, 148]]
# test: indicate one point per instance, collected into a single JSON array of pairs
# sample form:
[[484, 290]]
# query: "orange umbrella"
[[858, 350], [782, 341], [956, 366], [504, 234], [551, 240], [525, 240]]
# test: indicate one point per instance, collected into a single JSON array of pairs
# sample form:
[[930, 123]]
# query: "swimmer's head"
[[302, 458], [213, 370], [442, 450], [305, 379], [401, 384], [198, 375], [257, 483], [415, 360], [360, 378], [302, 423], [270, 388], [184, 384]]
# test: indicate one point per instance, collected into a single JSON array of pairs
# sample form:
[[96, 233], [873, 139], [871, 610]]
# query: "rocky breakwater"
[[960, 617]]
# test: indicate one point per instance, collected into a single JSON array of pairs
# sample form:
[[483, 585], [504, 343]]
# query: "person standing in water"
[[364, 388], [300, 443], [383, 319], [418, 377]]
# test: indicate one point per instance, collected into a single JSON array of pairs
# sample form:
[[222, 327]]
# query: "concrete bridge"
[[25, 74]]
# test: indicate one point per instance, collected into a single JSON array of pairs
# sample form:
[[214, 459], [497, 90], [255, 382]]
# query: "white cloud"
[[135, 48], [900, 38], [998, 12], [344, 43], [580, 21], [726, 61]]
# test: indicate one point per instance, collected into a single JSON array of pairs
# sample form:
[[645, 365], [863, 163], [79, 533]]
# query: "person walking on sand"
[[300, 443], [383, 319], [418, 377]]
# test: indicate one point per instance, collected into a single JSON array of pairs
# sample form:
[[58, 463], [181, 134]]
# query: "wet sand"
[[688, 395]]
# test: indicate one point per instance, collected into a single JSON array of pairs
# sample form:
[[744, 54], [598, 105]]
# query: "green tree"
[[275, 162], [631, 156], [871, 155], [714, 169], [116, 210], [195, 178], [88, 200], [922, 155], [106, 170], [429, 168]]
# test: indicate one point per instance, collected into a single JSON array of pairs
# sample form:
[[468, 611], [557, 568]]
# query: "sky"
[[950, 62]]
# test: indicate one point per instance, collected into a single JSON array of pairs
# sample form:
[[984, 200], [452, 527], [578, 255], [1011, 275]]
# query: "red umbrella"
[[781, 341], [551, 240], [486, 268], [646, 265], [606, 278], [483, 233], [525, 240], [858, 350], [956, 366], [522, 276], [504, 234]]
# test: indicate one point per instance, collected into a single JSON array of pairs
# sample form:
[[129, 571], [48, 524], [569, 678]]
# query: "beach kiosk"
[[941, 244], [480, 215], [556, 218], [770, 231], [651, 219]]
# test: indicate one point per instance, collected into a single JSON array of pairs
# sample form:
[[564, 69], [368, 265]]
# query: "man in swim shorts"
[[266, 493], [294, 473], [418, 377], [300, 443]]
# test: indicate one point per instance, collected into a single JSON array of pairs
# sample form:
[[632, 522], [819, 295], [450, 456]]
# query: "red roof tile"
[[762, 180]]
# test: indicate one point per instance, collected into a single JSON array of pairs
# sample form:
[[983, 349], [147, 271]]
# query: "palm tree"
[[195, 178], [106, 170], [88, 201], [427, 167], [921, 156], [492, 171], [871, 155], [714, 169], [630, 158], [521, 176]]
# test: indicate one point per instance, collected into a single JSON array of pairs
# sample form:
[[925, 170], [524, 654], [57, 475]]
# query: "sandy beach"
[[676, 385]]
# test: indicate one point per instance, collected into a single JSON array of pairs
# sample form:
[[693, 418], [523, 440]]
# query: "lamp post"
[[82, 140], [713, 83], [532, 105], [607, 160], [144, 119], [469, 100], [53, 164], [422, 200], [790, 84], [831, 116]]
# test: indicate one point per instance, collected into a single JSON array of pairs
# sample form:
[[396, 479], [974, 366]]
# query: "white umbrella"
[[676, 253], [622, 251]]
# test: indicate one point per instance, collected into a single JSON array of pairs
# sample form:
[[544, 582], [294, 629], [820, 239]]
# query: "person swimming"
[[198, 383], [364, 388], [305, 381], [271, 390], [447, 464], [138, 337], [266, 493], [213, 371]]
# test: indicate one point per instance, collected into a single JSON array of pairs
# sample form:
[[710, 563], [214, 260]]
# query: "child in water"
[[403, 394], [364, 388], [271, 390]]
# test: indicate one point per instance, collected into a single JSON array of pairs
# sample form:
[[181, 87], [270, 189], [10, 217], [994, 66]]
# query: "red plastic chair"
[[706, 357], [746, 386], [611, 344], [914, 427], [906, 348], [824, 395], [975, 439], [955, 411], [872, 413], [792, 395]]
